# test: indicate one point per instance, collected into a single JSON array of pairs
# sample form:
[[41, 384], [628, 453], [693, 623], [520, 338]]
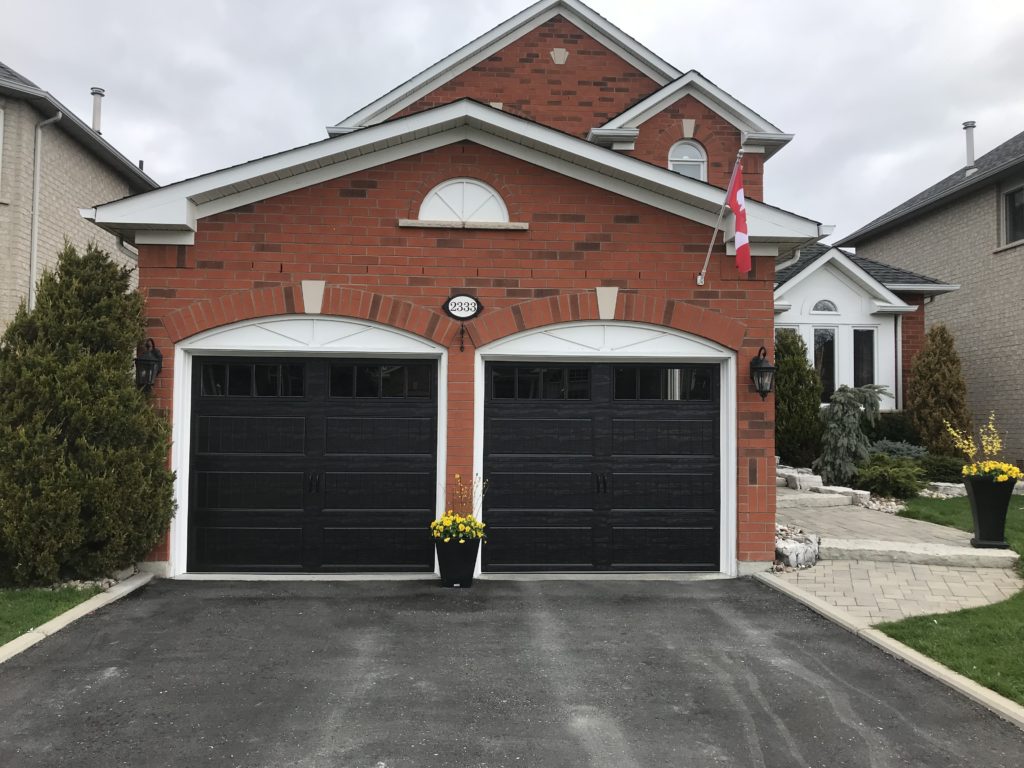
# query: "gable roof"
[[15, 85], [757, 130], [169, 214], [1005, 158], [893, 278], [487, 44]]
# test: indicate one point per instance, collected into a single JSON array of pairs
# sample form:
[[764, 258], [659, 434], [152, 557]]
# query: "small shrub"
[[899, 478], [942, 469], [898, 449], [844, 445], [893, 425]]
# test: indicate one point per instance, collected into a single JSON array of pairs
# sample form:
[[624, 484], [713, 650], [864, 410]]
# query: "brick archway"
[[339, 301], [632, 307]]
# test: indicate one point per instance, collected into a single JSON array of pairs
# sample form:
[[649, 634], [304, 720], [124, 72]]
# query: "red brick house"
[[568, 180]]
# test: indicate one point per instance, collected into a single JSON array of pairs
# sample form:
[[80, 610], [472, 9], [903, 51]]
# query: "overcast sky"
[[875, 91]]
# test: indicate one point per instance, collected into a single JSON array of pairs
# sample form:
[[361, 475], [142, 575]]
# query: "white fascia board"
[[885, 300], [883, 308], [179, 205], [926, 289], [782, 306], [707, 93], [502, 35]]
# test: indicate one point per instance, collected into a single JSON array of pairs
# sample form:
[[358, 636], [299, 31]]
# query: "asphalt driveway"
[[537, 674]]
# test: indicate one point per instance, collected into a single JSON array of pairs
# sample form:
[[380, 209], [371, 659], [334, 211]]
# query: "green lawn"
[[25, 609], [985, 643]]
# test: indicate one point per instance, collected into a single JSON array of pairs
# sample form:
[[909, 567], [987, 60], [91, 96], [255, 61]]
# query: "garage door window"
[[391, 381], [248, 380], [648, 382], [540, 383]]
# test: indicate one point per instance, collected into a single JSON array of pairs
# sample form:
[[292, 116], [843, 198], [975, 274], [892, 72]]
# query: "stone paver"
[[852, 522], [880, 592]]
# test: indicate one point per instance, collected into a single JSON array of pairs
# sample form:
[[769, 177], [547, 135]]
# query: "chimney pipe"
[[969, 128], [97, 96]]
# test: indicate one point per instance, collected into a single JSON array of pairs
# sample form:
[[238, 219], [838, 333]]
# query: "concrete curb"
[[30, 638], [999, 705], [916, 554]]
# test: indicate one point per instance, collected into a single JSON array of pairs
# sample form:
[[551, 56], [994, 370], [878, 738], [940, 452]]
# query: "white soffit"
[[885, 299], [178, 206], [502, 35]]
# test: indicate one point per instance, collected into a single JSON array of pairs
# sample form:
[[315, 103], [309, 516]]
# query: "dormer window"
[[689, 159], [824, 305], [464, 200]]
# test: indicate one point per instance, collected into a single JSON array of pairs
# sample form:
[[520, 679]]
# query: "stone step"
[[780, 482], [802, 500], [917, 554]]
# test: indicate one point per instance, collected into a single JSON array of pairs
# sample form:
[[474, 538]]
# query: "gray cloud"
[[874, 90]]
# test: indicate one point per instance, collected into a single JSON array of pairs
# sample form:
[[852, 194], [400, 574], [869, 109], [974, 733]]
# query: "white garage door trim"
[[593, 341], [293, 336]]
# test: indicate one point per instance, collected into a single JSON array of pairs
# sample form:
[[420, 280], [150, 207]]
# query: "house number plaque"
[[462, 307]]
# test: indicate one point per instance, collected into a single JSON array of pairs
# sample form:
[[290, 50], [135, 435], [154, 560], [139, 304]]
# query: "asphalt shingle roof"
[[883, 273], [11, 77], [1004, 157]]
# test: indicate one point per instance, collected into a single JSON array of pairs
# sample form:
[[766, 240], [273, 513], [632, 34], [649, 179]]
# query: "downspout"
[[37, 163]]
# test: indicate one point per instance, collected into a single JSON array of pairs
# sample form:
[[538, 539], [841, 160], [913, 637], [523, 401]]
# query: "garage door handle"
[[604, 483], [597, 482]]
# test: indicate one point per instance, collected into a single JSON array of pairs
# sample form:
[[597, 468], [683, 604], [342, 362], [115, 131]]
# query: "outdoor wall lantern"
[[762, 373], [148, 365]]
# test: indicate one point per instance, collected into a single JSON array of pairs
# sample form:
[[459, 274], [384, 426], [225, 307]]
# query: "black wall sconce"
[[762, 373], [147, 365]]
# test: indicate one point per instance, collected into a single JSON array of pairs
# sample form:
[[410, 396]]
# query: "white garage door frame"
[[598, 342], [288, 336]]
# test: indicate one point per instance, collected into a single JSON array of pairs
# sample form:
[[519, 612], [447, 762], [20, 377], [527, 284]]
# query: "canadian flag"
[[734, 199]]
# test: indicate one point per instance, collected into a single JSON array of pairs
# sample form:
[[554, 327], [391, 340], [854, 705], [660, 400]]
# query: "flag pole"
[[721, 214]]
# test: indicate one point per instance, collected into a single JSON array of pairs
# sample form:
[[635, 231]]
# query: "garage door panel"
[[540, 436], [665, 437], [664, 490], [354, 435], [246, 548], [250, 435], [250, 490], [376, 548], [524, 547], [664, 517], [379, 490], [659, 547], [540, 490]]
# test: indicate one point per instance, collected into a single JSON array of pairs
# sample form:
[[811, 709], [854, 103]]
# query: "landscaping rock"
[[794, 548], [802, 482], [882, 504], [944, 490], [861, 498]]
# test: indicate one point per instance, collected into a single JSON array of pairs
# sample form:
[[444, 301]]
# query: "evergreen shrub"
[[936, 392], [844, 445], [900, 478], [797, 402]]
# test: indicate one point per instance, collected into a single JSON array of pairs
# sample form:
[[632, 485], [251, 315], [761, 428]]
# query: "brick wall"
[[589, 89], [71, 179], [912, 331], [960, 244], [719, 137], [249, 262]]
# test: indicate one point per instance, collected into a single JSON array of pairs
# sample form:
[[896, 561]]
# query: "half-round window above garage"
[[824, 306], [688, 158], [464, 200]]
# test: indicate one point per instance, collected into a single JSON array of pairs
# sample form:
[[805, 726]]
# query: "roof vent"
[[969, 129], [97, 97]]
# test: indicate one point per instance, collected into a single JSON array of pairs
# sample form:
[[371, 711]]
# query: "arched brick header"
[[632, 307], [287, 299]]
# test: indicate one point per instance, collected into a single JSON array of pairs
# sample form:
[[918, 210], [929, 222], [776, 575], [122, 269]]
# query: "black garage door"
[[312, 465], [602, 467]]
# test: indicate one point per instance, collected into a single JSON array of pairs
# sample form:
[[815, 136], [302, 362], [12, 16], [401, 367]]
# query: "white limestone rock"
[[794, 548]]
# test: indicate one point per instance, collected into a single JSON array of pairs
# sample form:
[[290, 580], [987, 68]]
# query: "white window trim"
[[1005, 228], [703, 163], [622, 341], [833, 312], [874, 351], [460, 220]]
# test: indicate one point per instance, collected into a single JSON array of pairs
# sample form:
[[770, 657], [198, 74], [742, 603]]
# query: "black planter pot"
[[457, 562], [989, 502]]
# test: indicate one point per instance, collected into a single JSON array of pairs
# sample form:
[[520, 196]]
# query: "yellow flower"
[[447, 539], [462, 541], [1002, 478]]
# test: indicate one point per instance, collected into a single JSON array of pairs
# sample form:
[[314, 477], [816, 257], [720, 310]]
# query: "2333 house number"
[[463, 307]]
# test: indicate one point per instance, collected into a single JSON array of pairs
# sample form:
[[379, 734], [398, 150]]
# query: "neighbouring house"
[[489, 271], [969, 228], [52, 165], [862, 321]]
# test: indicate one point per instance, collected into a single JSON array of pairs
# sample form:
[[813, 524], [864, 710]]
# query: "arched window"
[[824, 305], [689, 159], [463, 200]]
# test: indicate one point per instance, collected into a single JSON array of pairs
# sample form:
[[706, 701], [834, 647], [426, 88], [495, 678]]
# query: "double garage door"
[[329, 465]]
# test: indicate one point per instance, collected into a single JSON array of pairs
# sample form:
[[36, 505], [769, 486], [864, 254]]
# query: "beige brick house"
[[48, 154], [969, 228]]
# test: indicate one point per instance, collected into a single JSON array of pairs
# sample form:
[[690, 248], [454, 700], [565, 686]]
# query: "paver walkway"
[[874, 592], [871, 592]]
